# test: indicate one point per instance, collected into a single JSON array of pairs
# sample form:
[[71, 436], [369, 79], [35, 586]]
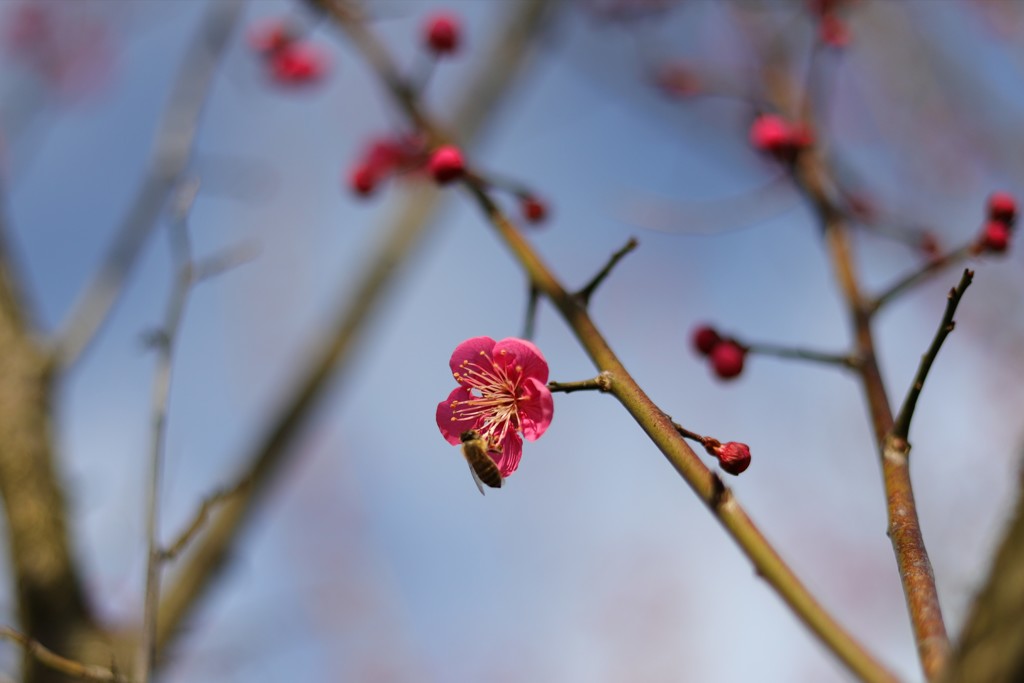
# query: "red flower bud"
[[705, 338], [363, 180], [297, 63], [734, 457], [534, 209], [727, 359], [271, 36], [443, 33], [769, 133], [995, 237], [833, 31], [1002, 207], [446, 164]]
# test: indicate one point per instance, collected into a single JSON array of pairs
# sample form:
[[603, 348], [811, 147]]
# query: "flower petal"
[[511, 454], [470, 351], [451, 428], [526, 355], [535, 408]]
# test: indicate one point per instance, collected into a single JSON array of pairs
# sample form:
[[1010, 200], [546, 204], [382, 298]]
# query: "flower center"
[[493, 405]]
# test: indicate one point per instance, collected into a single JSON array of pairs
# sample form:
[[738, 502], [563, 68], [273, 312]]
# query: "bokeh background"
[[375, 558]]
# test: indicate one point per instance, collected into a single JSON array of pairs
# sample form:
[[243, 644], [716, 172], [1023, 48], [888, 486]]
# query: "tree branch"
[[171, 153], [49, 658]]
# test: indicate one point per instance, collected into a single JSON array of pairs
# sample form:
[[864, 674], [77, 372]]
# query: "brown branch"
[[171, 153], [904, 527], [33, 648], [600, 383], [51, 603], [274, 449], [199, 520]]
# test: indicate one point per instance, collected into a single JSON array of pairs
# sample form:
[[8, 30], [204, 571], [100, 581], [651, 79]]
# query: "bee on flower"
[[502, 398]]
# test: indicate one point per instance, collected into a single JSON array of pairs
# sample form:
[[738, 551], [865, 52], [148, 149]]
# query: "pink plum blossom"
[[502, 392]]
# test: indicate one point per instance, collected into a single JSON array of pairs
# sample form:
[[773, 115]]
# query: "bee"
[[481, 464]]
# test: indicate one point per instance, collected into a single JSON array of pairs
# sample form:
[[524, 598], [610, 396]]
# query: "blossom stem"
[[600, 383], [847, 360]]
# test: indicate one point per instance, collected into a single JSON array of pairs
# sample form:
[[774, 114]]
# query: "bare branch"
[[171, 153], [54, 661], [209, 504], [602, 383]]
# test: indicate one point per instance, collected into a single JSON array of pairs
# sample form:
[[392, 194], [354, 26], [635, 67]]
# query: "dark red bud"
[[446, 164], [734, 457], [705, 338], [727, 359]]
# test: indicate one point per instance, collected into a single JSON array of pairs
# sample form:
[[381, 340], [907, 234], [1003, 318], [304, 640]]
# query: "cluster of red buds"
[[733, 456], [288, 59], [726, 355], [442, 34], [384, 158], [779, 138], [1002, 215]]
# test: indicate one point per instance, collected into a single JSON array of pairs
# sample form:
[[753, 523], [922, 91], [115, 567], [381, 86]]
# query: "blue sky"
[[374, 557]]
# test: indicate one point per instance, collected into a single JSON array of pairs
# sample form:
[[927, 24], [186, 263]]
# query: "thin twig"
[[602, 382], [181, 251], [588, 290], [209, 504], [171, 153], [920, 275], [51, 659], [846, 360], [901, 426]]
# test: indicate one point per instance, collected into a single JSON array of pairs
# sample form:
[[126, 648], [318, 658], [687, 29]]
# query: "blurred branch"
[[652, 420], [991, 647], [171, 153], [50, 600], [408, 228], [12, 283], [918, 276], [181, 256], [54, 661]]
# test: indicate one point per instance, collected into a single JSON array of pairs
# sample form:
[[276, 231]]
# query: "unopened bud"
[[734, 457]]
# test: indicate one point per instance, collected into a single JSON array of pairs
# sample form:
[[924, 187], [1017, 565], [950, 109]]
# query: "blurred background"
[[374, 558]]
